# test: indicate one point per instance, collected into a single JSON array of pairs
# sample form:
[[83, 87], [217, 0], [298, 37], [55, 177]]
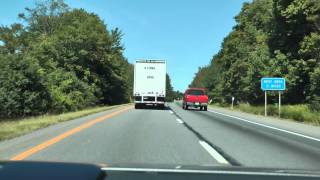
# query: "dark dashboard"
[[58, 170]]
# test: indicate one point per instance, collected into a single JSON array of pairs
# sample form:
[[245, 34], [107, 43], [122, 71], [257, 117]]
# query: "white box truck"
[[149, 83]]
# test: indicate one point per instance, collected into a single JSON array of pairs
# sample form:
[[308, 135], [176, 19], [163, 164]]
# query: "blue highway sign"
[[273, 84]]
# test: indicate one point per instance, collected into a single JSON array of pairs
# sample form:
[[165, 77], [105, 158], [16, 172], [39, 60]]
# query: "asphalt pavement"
[[171, 136], [253, 145]]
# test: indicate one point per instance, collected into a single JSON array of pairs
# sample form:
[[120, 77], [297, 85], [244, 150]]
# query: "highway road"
[[173, 136]]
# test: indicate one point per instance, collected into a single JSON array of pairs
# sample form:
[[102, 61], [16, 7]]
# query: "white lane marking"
[[213, 153], [180, 121], [267, 126], [171, 112]]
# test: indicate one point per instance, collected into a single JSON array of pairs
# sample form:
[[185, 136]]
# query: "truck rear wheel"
[[136, 106], [205, 108], [187, 107]]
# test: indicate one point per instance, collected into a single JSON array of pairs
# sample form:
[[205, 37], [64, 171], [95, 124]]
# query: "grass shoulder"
[[300, 112], [11, 128]]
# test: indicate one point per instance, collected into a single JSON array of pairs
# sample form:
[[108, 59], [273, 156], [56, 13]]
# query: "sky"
[[185, 33]]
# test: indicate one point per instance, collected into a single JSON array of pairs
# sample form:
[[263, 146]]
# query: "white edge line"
[[180, 121], [213, 152], [267, 126], [207, 171]]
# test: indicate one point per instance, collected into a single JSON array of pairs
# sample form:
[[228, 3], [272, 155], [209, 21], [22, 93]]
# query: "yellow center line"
[[64, 135]]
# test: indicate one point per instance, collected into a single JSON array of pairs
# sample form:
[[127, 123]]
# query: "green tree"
[[200, 78], [67, 92], [61, 60], [22, 88], [45, 17], [272, 38], [11, 37], [169, 90], [84, 46]]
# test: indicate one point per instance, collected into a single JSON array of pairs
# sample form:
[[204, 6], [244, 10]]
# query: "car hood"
[[43, 170]]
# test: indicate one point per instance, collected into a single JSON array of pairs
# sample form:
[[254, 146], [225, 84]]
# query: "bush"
[[315, 89], [67, 92], [22, 91], [248, 108], [315, 103], [301, 113]]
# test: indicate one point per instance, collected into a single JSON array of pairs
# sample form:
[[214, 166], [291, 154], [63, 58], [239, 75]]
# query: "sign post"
[[265, 103], [272, 84], [279, 104]]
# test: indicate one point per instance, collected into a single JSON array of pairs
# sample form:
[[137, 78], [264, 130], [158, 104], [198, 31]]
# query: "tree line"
[[171, 94], [60, 59], [271, 38]]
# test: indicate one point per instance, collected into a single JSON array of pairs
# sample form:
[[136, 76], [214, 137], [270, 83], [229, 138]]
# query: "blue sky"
[[186, 33]]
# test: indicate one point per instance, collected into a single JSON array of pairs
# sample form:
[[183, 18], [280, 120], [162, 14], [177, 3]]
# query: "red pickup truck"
[[195, 97]]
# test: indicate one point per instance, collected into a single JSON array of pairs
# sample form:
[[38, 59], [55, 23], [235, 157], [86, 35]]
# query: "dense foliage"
[[272, 38], [171, 95], [59, 60]]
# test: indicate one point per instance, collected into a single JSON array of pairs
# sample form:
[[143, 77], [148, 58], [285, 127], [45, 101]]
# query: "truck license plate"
[[197, 103]]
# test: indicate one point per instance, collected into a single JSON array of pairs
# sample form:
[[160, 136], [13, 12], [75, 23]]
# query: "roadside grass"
[[11, 128], [300, 113]]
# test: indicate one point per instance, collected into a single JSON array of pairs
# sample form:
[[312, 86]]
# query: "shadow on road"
[[189, 108], [194, 109], [149, 107]]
